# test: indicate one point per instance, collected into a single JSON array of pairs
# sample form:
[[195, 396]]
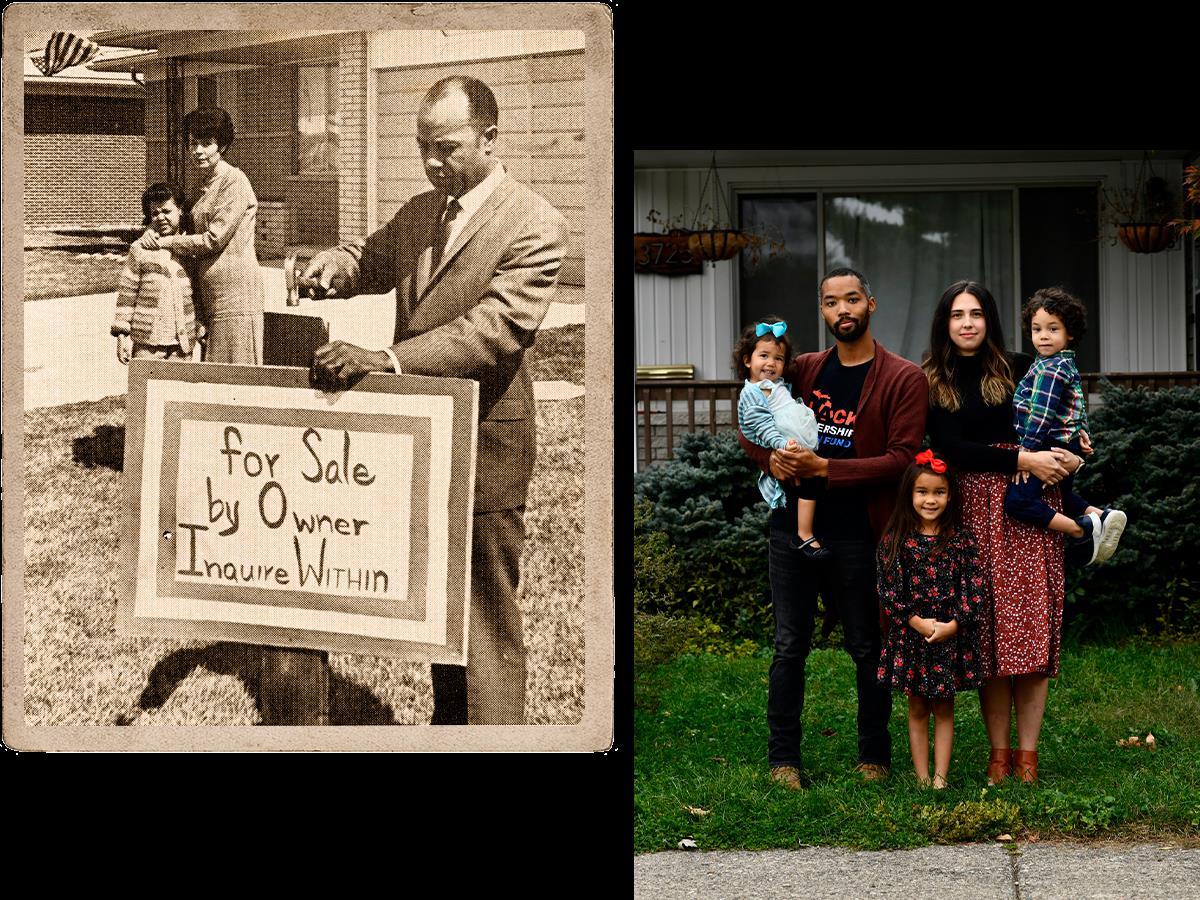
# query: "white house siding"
[[1143, 308], [542, 139], [690, 319], [681, 318]]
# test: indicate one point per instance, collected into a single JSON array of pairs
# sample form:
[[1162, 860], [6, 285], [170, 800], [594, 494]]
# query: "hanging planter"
[[1144, 237], [1142, 217], [717, 243]]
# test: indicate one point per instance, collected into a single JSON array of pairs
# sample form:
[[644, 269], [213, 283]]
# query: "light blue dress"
[[770, 420]]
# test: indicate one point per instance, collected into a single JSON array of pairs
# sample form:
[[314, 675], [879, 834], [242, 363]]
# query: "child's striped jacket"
[[154, 300]]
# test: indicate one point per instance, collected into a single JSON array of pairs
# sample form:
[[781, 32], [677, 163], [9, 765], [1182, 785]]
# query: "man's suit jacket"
[[474, 314]]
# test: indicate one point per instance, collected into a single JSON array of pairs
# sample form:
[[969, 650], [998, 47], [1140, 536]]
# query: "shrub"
[[659, 638], [656, 574], [1147, 462], [707, 504]]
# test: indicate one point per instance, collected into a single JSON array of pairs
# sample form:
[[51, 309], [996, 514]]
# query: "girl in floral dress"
[[931, 590]]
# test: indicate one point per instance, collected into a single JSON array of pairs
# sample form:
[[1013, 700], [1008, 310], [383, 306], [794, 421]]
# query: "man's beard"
[[849, 337]]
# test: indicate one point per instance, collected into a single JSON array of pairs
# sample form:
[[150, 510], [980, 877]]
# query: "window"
[[910, 244], [317, 121]]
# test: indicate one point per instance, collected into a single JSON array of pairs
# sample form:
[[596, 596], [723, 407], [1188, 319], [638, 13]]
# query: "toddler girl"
[[770, 417], [931, 589], [155, 317]]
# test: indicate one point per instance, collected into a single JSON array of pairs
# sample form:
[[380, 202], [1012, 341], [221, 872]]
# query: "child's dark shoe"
[[1113, 523], [1092, 532], [809, 548]]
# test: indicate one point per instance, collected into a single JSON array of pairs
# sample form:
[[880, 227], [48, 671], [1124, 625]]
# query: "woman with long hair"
[[971, 382]]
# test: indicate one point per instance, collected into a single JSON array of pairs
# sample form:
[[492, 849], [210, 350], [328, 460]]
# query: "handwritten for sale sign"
[[262, 510]]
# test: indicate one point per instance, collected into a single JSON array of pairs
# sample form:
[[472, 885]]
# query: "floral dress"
[[941, 585]]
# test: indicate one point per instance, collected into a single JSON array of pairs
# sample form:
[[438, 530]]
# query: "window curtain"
[[912, 246]]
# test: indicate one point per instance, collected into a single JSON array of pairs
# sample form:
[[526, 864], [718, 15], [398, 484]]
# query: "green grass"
[[701, 742], [60, 273], [78, 671]]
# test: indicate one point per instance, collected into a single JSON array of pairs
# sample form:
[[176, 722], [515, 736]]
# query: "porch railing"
[[668, 409]]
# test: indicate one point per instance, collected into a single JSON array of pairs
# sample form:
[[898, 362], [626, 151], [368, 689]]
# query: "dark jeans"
[[1023, 500], [847, 582]]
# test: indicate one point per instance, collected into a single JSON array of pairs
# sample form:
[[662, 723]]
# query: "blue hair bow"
[[779, 329]]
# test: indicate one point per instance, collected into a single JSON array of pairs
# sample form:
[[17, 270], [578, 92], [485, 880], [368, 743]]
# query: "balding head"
[[456, 131], [480, 108]]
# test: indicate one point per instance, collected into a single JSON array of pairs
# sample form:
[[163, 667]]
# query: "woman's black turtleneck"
[[962, 438]]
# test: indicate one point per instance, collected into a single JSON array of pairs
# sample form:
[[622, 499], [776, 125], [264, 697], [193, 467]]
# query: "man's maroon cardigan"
[[889, 427]]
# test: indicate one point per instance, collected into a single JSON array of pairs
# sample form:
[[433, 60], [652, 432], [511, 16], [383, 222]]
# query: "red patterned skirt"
[[1021, 623]]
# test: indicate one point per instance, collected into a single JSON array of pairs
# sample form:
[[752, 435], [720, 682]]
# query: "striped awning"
[[64, 50]]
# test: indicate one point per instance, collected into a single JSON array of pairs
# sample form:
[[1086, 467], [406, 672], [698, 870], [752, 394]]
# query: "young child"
[[1049, 411], [155, 316], [931, 590], [770, 417]]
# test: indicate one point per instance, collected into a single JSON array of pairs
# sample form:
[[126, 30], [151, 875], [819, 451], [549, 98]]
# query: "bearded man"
[[870, 411]]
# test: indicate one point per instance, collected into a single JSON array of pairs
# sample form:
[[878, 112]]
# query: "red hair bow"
[[926, 458]]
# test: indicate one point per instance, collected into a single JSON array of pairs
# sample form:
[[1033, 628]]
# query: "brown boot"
[[788, 776], [1000, 765], [1025, 765]]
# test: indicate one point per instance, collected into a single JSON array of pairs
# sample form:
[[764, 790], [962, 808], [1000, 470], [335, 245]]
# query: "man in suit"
[[474, 263]]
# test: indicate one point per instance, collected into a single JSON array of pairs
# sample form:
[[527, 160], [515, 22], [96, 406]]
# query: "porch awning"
[[256, 48]]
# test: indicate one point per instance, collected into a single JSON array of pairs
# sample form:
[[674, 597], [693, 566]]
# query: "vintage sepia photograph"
[[312, 425]]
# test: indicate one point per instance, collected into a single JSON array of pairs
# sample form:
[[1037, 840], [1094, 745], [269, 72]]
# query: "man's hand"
[[326, 275], [787, 465], [337, 365]]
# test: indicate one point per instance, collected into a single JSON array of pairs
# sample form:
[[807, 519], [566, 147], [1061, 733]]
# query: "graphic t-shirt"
[[841, 514]]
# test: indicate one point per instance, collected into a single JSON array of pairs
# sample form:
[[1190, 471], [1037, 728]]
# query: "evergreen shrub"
[[1147, 463], [706, 502]]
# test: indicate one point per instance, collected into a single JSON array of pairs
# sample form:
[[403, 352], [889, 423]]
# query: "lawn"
[[700, 767], [557, 355], [78, 671], [62, 273]]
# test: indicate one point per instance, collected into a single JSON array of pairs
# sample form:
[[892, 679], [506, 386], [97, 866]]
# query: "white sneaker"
[[1113, 523]]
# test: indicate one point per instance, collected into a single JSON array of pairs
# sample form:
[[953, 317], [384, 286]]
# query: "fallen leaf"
[[687, 844], [1151, 742], [696, 811], [828, 732], [1005, 838], [719, 759]]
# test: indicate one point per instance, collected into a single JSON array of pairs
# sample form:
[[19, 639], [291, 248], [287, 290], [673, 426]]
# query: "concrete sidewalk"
[[1040, 871], [70, 355]]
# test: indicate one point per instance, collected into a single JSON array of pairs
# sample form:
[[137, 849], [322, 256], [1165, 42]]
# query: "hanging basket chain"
[[718, 198]]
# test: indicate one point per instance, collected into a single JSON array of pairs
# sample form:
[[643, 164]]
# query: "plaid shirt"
[[1049, 402]]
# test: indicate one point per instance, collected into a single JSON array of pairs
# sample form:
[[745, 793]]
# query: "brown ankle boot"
[[1025, 765], [1000, 765]]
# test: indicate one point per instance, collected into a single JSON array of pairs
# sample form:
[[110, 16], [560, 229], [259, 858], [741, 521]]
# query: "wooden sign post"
[[264, 511], [293, 686]]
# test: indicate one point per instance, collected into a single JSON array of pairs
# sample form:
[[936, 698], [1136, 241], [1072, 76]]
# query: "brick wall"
[[76, 175], [352, 155], [272, 224]]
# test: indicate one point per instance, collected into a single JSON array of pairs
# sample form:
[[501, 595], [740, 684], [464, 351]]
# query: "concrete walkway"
[[70, 356], [1041, 871]]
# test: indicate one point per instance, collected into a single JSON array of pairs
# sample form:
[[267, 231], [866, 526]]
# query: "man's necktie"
[[443, 235]]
